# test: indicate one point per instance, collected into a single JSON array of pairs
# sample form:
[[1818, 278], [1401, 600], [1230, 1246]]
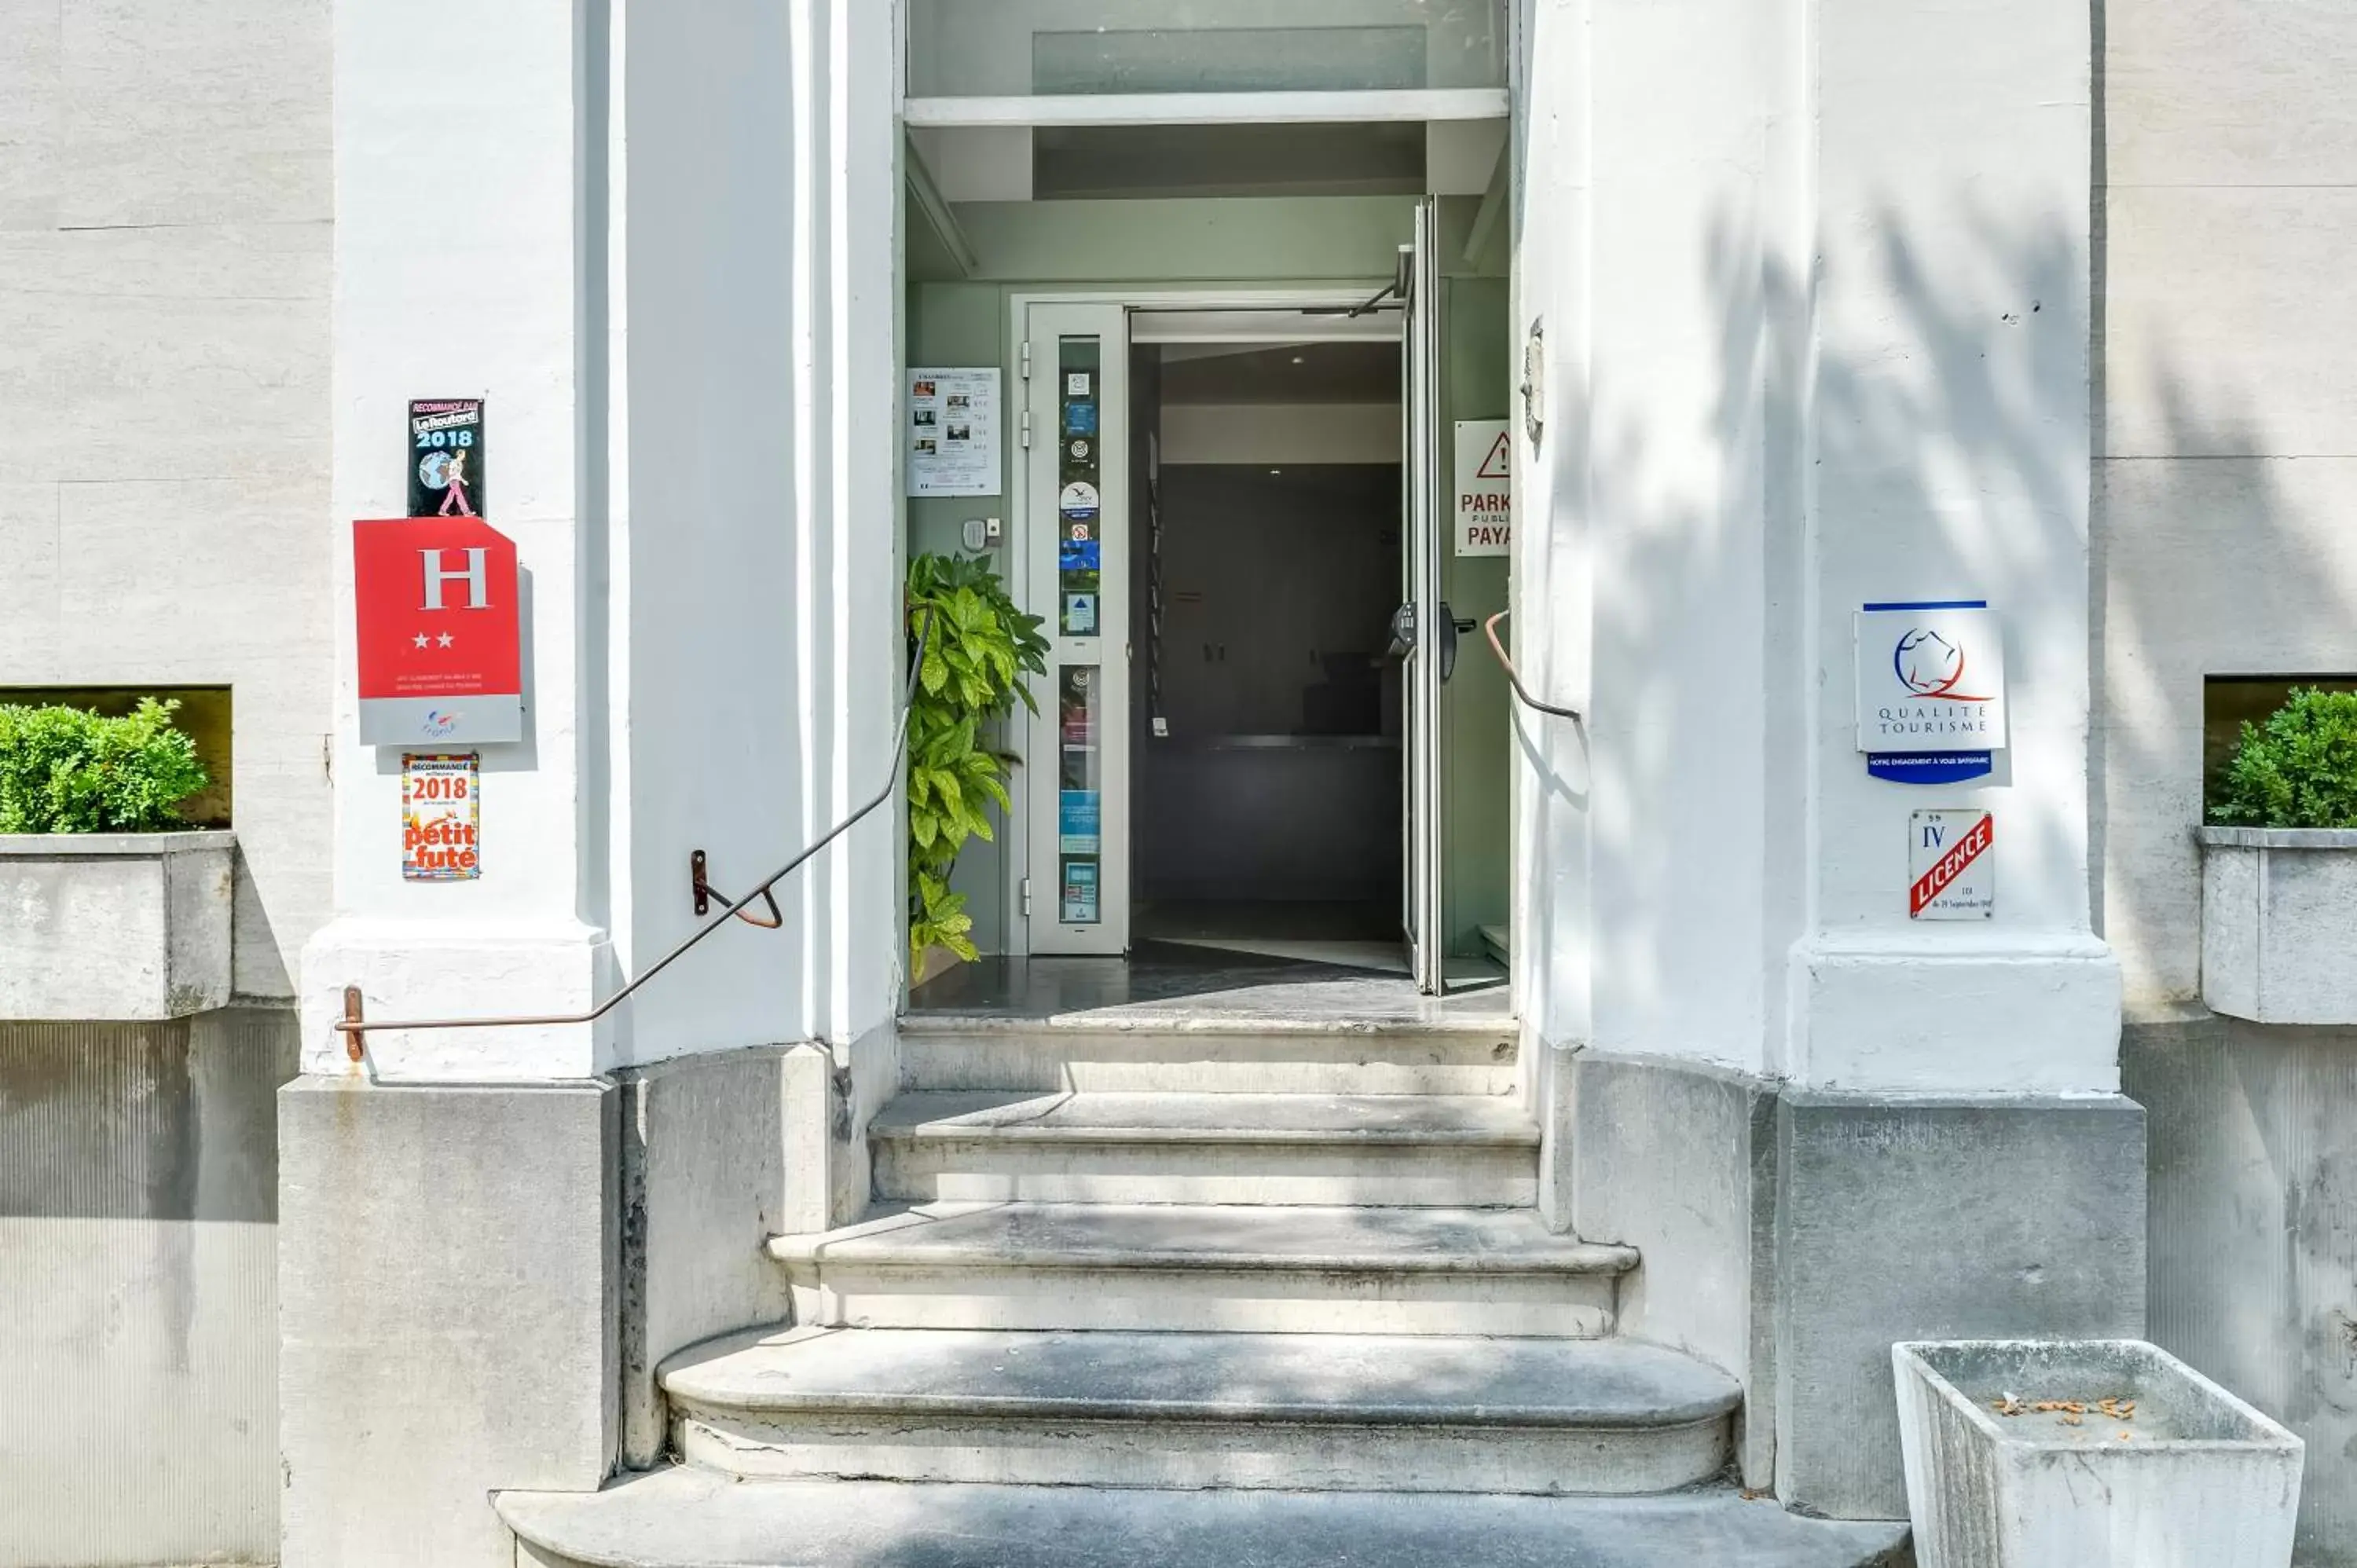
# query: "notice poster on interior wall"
[[1484, 487], [439, 817], [951, 438]]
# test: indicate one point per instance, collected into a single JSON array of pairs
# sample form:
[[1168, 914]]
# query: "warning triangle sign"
[[1499, 464]]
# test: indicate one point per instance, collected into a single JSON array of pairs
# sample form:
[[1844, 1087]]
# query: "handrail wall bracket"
[[355, 1026], [705, 893]]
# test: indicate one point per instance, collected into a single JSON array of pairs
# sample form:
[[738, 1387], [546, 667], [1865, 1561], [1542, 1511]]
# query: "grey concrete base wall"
[[1676, 1161], [1935, 1220], [138, 1290], [1793, 1237], [703, 1184], [449, 1312], [2253, 1260]]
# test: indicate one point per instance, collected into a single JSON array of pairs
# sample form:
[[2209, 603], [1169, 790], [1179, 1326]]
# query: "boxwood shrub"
[[2298, 770], [65, 770]]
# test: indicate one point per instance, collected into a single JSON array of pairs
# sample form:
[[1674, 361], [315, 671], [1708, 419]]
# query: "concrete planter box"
[[2279, 924], [114, 926], [2201, 1481]]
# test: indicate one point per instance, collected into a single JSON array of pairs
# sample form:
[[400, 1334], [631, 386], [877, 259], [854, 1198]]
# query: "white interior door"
[[1075, 518], [1421, 793]]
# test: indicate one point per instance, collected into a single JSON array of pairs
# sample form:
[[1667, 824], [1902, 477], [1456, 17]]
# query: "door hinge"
[[1027, 362], [1026, 428], [1026, 891]]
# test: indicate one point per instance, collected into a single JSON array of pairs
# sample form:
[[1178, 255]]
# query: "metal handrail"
[[354, 1027], [1514, 676]]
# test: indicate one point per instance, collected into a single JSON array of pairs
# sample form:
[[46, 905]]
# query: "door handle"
[[1402, 643]]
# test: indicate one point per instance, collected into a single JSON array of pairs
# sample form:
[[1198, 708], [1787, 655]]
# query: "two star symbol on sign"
[[442, 641]]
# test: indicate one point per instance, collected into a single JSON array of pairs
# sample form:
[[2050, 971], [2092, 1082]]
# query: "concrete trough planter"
[[2200, 1480], [130, 927], [2279, 924]]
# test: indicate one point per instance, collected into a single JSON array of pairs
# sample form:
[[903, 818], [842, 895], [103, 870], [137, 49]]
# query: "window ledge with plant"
[[117, 908], [2279, 869]]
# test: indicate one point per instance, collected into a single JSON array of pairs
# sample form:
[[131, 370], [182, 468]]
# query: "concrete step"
[[1315, 1411], [691, 1518], [1183, 1053], [1451, 1151], [1257, 1269]]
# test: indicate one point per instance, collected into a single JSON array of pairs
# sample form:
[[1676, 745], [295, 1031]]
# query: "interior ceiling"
[[1284, 372], [1371, 158]]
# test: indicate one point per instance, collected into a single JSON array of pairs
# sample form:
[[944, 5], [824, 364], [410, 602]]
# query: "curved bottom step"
[[698, 1519], [1287, 1411]]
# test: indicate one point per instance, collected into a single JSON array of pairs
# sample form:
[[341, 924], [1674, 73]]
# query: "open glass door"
[[1075, 521], [1430, 633]]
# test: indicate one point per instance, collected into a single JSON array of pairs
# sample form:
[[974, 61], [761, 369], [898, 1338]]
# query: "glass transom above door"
[[1001, 49]]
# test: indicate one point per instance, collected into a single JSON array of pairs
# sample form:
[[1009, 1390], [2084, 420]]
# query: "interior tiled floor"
[[1353, 936], [1181, 978]]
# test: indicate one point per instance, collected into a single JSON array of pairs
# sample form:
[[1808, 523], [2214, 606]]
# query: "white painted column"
[[1641, 548], [1551, 633], [1947, 450], [1814, 277], [458, 235], [661, 245], [758, 552]]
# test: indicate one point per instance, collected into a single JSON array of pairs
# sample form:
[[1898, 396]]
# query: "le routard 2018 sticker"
[[446, 456]]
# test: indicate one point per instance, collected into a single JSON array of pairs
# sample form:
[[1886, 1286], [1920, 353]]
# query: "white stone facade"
[[166, 223], [1840, 301]]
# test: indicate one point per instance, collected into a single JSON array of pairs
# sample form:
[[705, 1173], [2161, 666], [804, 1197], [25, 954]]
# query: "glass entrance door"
[[1075, 772]]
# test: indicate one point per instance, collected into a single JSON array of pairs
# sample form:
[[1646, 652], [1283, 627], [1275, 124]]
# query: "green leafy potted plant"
[[118, 908], [979, 649], [2279, 869]]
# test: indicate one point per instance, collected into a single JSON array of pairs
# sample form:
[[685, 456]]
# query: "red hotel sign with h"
[[439, 631]]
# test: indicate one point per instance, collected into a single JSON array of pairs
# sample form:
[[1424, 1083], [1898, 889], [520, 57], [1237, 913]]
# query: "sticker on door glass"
[[1079, 499], [1080, 615], [1077, 829], [1079, 800], [1080, 892]]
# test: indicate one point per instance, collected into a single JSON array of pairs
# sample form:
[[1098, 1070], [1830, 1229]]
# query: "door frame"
[[1422, 462], [1017, 847], [1107, 648]]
